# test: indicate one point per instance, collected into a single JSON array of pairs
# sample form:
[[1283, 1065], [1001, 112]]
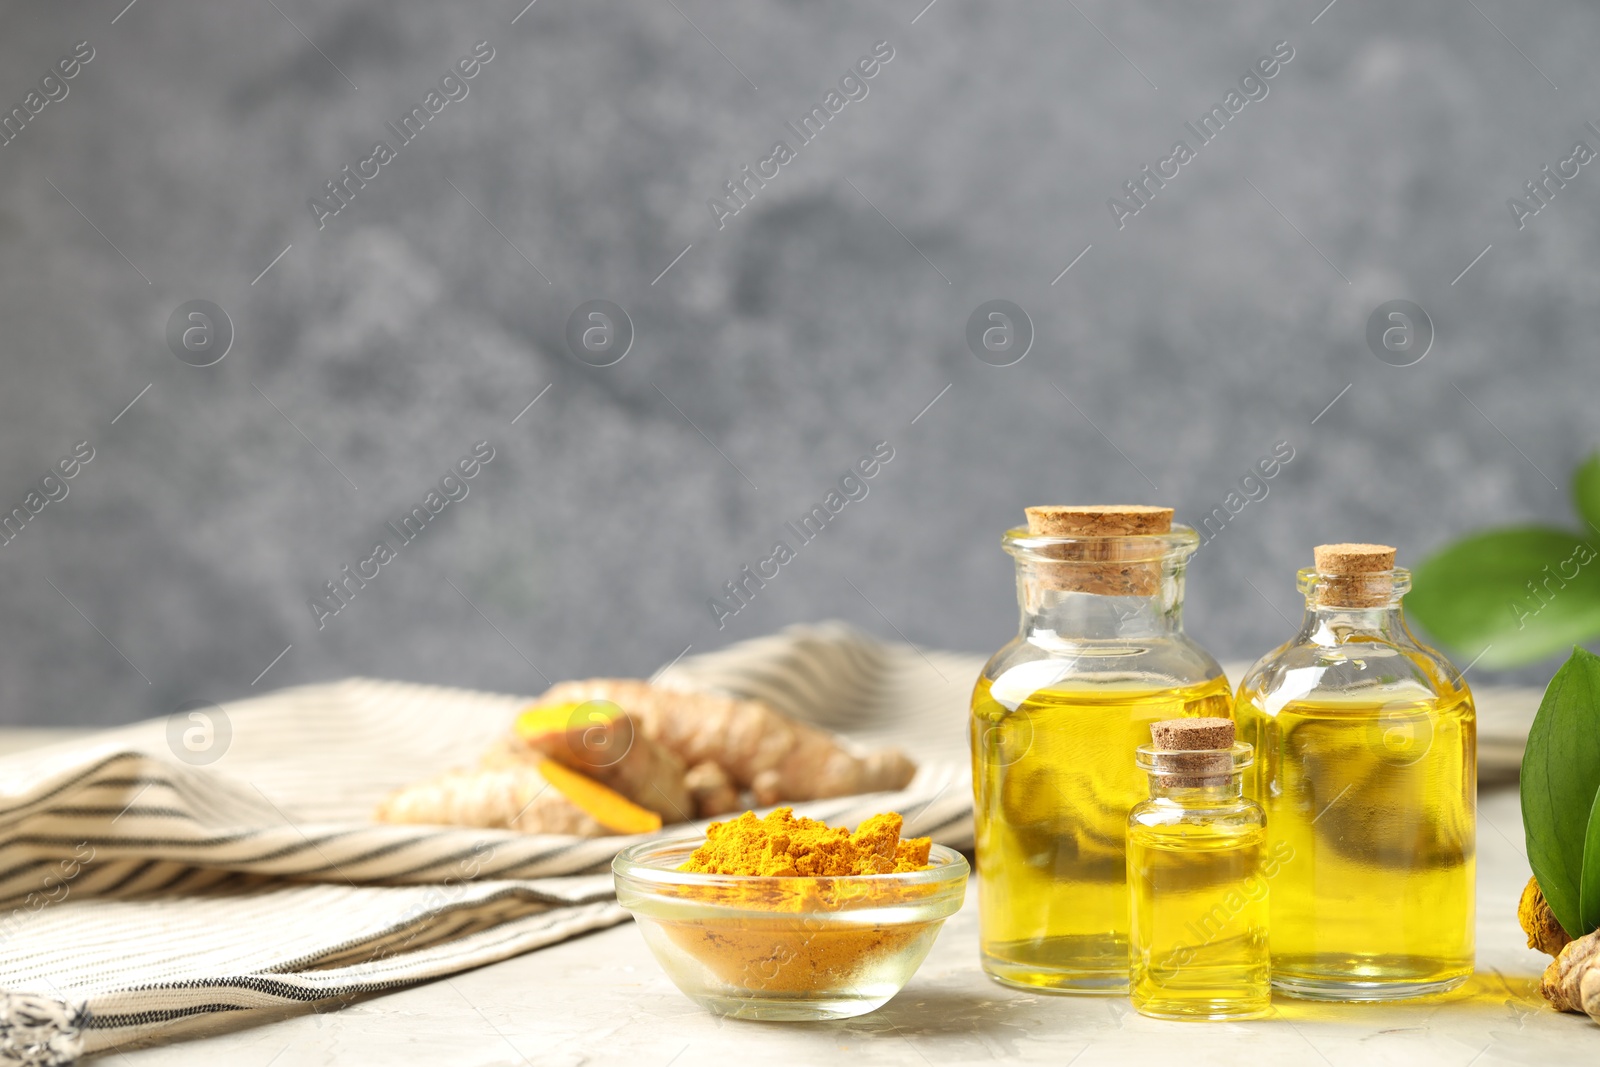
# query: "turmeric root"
[[1572, 981], [713, 791], [543, 799], [600, 740], [509, 798], [773, 756], [1539, 922]]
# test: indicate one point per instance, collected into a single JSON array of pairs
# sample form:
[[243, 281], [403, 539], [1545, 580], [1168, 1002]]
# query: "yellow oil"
[[1376, 805], [1200, 912], [1054, 780]]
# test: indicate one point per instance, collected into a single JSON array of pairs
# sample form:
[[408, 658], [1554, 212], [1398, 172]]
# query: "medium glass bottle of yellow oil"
[[1056, 718], [1366, 763], [1200, 874]]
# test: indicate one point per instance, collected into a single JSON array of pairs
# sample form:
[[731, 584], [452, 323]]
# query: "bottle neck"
[[1331, 624], [1206, 795], [1051, 612], [1342, 608]]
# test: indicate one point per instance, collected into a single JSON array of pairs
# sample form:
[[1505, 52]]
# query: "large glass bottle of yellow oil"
[[1057, 717], [1366, 764]]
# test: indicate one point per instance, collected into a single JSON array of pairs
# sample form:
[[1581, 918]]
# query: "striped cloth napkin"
[[162, 875]]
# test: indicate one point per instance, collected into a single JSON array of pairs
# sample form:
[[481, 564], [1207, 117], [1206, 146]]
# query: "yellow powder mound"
[[781, 845], [793, 950]]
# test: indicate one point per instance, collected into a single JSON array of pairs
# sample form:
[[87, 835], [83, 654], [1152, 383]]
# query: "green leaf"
[[1589, 887], [1475, 594], [1586, 492], [1560, 780]]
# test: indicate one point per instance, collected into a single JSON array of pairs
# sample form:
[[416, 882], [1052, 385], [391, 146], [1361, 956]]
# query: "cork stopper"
[[1092, 567], [1193, 752], [1354, 575], [1098, 520], [1193, 735]]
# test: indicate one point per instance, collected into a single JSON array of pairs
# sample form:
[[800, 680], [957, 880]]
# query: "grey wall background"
[[1223, 318]]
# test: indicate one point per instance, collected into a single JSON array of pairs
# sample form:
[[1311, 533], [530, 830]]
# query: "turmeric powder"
[[781, 845], [798, 868]]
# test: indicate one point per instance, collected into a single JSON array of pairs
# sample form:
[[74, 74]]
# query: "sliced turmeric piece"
[[602, 741], [605, 806]]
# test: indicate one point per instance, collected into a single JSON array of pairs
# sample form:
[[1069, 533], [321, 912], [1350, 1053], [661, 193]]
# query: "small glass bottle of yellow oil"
[[1056, 718], [1366, 763], [1199, 871]]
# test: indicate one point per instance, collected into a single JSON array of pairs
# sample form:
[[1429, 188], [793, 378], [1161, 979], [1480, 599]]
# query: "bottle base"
[[1066, 982], [1356, 991], [1203, 1011]]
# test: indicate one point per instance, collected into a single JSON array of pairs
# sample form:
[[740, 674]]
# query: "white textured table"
[[601, 999]]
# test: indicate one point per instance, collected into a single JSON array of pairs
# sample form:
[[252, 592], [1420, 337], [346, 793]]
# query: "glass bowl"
[[786, 948]]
